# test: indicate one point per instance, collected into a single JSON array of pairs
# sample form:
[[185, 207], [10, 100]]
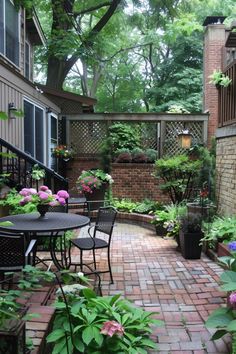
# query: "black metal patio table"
[[53, 223]]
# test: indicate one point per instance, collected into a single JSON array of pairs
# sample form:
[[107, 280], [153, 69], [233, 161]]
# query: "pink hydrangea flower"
[[232, 298], [33, 191], [24, 192], [62, 201], [43, 195], [110, 328], [63, 194], [43, 188]]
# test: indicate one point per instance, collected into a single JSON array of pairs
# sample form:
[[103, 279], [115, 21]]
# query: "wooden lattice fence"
[[86, 133]]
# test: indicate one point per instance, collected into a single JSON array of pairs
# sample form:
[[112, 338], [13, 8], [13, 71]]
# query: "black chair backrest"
[[105, 220], [12, 246], [58, 209]]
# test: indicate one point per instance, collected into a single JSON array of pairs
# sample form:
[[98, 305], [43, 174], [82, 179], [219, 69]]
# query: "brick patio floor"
[[149, 271]]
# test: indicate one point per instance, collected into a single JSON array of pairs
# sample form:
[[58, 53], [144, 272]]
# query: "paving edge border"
[[133, 218]]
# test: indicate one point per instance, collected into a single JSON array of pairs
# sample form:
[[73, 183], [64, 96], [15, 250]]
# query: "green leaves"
[[220, 318], [3, 116]]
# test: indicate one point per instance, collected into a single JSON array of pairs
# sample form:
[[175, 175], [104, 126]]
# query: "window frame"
[[4, 35], [44, 142], [29, 63]]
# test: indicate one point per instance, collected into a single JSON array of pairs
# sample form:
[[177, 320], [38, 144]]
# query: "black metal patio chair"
[[104, 224], [15, 253]]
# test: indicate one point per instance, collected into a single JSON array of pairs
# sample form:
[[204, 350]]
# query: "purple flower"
[[62, 194], [232, 246], [232, 298]]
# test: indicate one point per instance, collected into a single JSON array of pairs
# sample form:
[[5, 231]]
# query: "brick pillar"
[[214, 41]]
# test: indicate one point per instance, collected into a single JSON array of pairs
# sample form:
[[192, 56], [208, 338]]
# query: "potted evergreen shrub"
[[190, 235]]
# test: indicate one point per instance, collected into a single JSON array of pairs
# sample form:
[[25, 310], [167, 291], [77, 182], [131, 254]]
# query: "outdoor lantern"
[[185, 139], [11, 110]]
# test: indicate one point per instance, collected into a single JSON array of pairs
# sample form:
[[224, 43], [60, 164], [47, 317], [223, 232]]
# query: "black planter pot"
[[160, 230], [198, 210], [189, 242]]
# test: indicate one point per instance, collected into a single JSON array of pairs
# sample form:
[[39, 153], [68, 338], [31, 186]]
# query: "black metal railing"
[[18, 165]]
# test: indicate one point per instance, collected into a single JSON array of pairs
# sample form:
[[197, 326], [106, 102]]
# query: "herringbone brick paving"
[[148, 270]]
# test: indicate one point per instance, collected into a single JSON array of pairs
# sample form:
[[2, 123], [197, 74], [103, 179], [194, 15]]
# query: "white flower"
[[71, 289], [109, 178], [80, 274]]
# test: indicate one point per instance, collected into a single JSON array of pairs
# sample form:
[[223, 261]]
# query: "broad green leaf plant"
[[224, 319], [94, 324]]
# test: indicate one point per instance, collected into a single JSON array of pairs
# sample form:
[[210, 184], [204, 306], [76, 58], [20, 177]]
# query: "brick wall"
[[226, 175], [214, 41], [134, 181]]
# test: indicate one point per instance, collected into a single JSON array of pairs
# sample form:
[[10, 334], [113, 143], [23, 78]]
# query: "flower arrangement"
[[63, 151], [90, 180], [42, 197]]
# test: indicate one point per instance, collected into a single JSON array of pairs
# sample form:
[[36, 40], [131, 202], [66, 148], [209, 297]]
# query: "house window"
[[34, 128], [53, 139], [9, 31], [27, 60]]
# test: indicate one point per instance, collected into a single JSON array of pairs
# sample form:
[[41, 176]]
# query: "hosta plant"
[[224, 319], [91, 324]]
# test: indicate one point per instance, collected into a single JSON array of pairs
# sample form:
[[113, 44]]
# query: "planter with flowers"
[[63, 152], [42, 199], [94, 184]]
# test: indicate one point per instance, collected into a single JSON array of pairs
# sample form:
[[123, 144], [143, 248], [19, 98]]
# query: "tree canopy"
[[133, 56]]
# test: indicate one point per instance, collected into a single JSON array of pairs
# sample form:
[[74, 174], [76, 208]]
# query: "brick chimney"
[[214, 41]]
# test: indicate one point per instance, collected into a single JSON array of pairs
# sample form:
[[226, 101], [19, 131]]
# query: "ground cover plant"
[[221, 229], [146, 206]]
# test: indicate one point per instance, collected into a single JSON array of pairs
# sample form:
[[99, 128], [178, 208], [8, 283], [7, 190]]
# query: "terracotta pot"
[[223, 250]]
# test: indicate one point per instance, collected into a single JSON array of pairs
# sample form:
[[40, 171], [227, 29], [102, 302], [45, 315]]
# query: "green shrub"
[[179, 174], [123, 135]]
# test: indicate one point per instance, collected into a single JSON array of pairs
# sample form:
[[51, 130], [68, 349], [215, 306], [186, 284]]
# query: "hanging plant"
[[219, 79]]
